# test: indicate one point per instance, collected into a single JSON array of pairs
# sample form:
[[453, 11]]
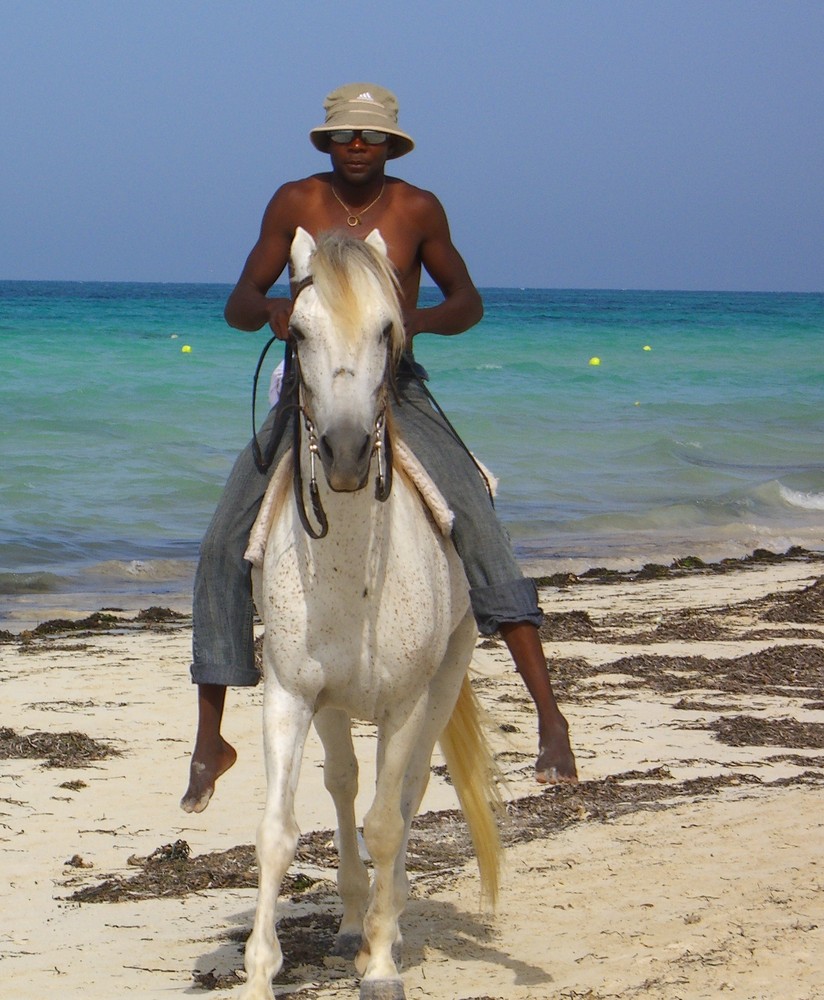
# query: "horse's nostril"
[[326, 451], [338, 446], [365, 447]]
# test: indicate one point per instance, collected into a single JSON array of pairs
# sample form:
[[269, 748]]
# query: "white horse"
[[370, 622]]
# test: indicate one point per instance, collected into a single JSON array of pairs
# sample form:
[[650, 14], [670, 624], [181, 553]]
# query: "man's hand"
[[412, 325], [280, 312]]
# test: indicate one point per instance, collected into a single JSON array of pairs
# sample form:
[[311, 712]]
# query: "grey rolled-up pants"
[[222, 634]]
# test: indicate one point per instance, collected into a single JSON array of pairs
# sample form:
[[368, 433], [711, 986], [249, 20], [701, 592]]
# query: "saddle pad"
[[405, 463], [273, 499]]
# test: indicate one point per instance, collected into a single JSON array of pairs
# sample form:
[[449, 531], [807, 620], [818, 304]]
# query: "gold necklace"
[[352, 218]]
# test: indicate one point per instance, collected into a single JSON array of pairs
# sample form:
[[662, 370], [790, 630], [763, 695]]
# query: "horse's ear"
[[301, 252], [376, 241]]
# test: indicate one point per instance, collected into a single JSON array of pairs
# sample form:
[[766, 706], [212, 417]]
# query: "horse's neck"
[[359, 526]]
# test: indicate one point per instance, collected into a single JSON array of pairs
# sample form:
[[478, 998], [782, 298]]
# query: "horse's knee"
[[277, 836], [383, 834]]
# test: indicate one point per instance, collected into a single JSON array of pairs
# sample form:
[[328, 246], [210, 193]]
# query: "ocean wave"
[[31, 583], [113, 576], [771, 505], [148, 570], [687, 452], [800, 499]]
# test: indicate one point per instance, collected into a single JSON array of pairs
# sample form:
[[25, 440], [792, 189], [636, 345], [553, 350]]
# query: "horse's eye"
[[296, 333], [386, 332]]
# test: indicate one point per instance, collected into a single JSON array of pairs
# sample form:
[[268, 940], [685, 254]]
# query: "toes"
[[192, 802], [553, 776], [555, 769]]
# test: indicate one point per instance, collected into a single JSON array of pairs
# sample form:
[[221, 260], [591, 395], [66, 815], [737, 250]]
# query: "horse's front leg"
[[340, 775], [384, 830], [285, 725]]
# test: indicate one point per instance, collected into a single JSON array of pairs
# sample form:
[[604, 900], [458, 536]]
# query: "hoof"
[[382, 989], [347, 946]]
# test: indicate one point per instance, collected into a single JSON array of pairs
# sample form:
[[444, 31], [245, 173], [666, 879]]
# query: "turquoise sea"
[[700, 431]]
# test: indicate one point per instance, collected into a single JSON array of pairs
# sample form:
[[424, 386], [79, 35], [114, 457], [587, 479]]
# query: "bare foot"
[[556, 762], [206, 767]]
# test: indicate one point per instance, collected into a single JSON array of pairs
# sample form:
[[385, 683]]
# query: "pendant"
[[353, 220]]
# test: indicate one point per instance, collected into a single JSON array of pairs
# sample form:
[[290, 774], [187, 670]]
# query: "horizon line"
[[508, 288]]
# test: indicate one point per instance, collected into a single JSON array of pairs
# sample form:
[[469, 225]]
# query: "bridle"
[[381, 442]]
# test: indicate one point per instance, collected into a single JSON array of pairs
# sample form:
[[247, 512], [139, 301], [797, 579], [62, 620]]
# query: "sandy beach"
[[686, 864]]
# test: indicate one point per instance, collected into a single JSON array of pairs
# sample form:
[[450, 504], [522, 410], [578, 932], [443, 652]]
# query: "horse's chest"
[[362, 617]]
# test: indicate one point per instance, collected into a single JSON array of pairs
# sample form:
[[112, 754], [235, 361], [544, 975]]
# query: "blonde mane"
[[347, 274]]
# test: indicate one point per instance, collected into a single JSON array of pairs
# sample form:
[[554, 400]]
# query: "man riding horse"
[[360, 134]]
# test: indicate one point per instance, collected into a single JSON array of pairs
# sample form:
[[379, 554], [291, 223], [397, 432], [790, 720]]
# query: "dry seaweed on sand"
[[212, 980], [686, 566], [439, 842], [801, 607], [795, 671], [564, 626], [307, 941], [105, 620], [171, 872], [708, 624], [754, 618], [155, 615], [747, 730], [56, 749], [96, 622]]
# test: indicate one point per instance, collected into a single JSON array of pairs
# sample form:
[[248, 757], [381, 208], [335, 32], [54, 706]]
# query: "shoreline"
[[135, 584]]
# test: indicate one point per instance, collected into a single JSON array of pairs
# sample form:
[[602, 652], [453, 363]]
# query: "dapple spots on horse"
[[371, 622]]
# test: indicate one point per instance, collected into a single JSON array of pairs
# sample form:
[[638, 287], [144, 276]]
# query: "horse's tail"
[[472, 770]]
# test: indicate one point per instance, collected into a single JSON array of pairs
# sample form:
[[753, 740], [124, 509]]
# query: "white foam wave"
[[143, 569], [805, 501]]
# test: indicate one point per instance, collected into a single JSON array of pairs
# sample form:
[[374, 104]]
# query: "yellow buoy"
[[595, 361], [185, 349], [647, 347]]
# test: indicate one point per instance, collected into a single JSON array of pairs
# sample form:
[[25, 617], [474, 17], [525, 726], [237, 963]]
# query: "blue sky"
[[633, 144]]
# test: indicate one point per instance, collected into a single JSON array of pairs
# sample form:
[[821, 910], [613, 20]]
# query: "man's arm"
[[248, 307], [462, 306]]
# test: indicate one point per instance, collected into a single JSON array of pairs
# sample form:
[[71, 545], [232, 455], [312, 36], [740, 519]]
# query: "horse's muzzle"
[[345, 452]]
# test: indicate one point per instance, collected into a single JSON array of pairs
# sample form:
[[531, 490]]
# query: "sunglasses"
[[369, 136]]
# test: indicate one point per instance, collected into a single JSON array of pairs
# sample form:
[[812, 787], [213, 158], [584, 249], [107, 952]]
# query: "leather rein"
[[381, 445]]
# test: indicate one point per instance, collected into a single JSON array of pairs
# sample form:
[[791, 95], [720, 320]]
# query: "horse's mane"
[[347, 273]]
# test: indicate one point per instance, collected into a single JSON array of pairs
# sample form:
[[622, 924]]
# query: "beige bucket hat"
[[360, 106]]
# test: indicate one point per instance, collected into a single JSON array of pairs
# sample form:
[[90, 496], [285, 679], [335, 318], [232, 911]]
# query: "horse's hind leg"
[[286, 723], [340, 775]]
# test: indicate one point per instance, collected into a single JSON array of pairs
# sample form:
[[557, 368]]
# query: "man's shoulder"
[[411, 191], [303, 186], [414, 199], [292, 199]]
